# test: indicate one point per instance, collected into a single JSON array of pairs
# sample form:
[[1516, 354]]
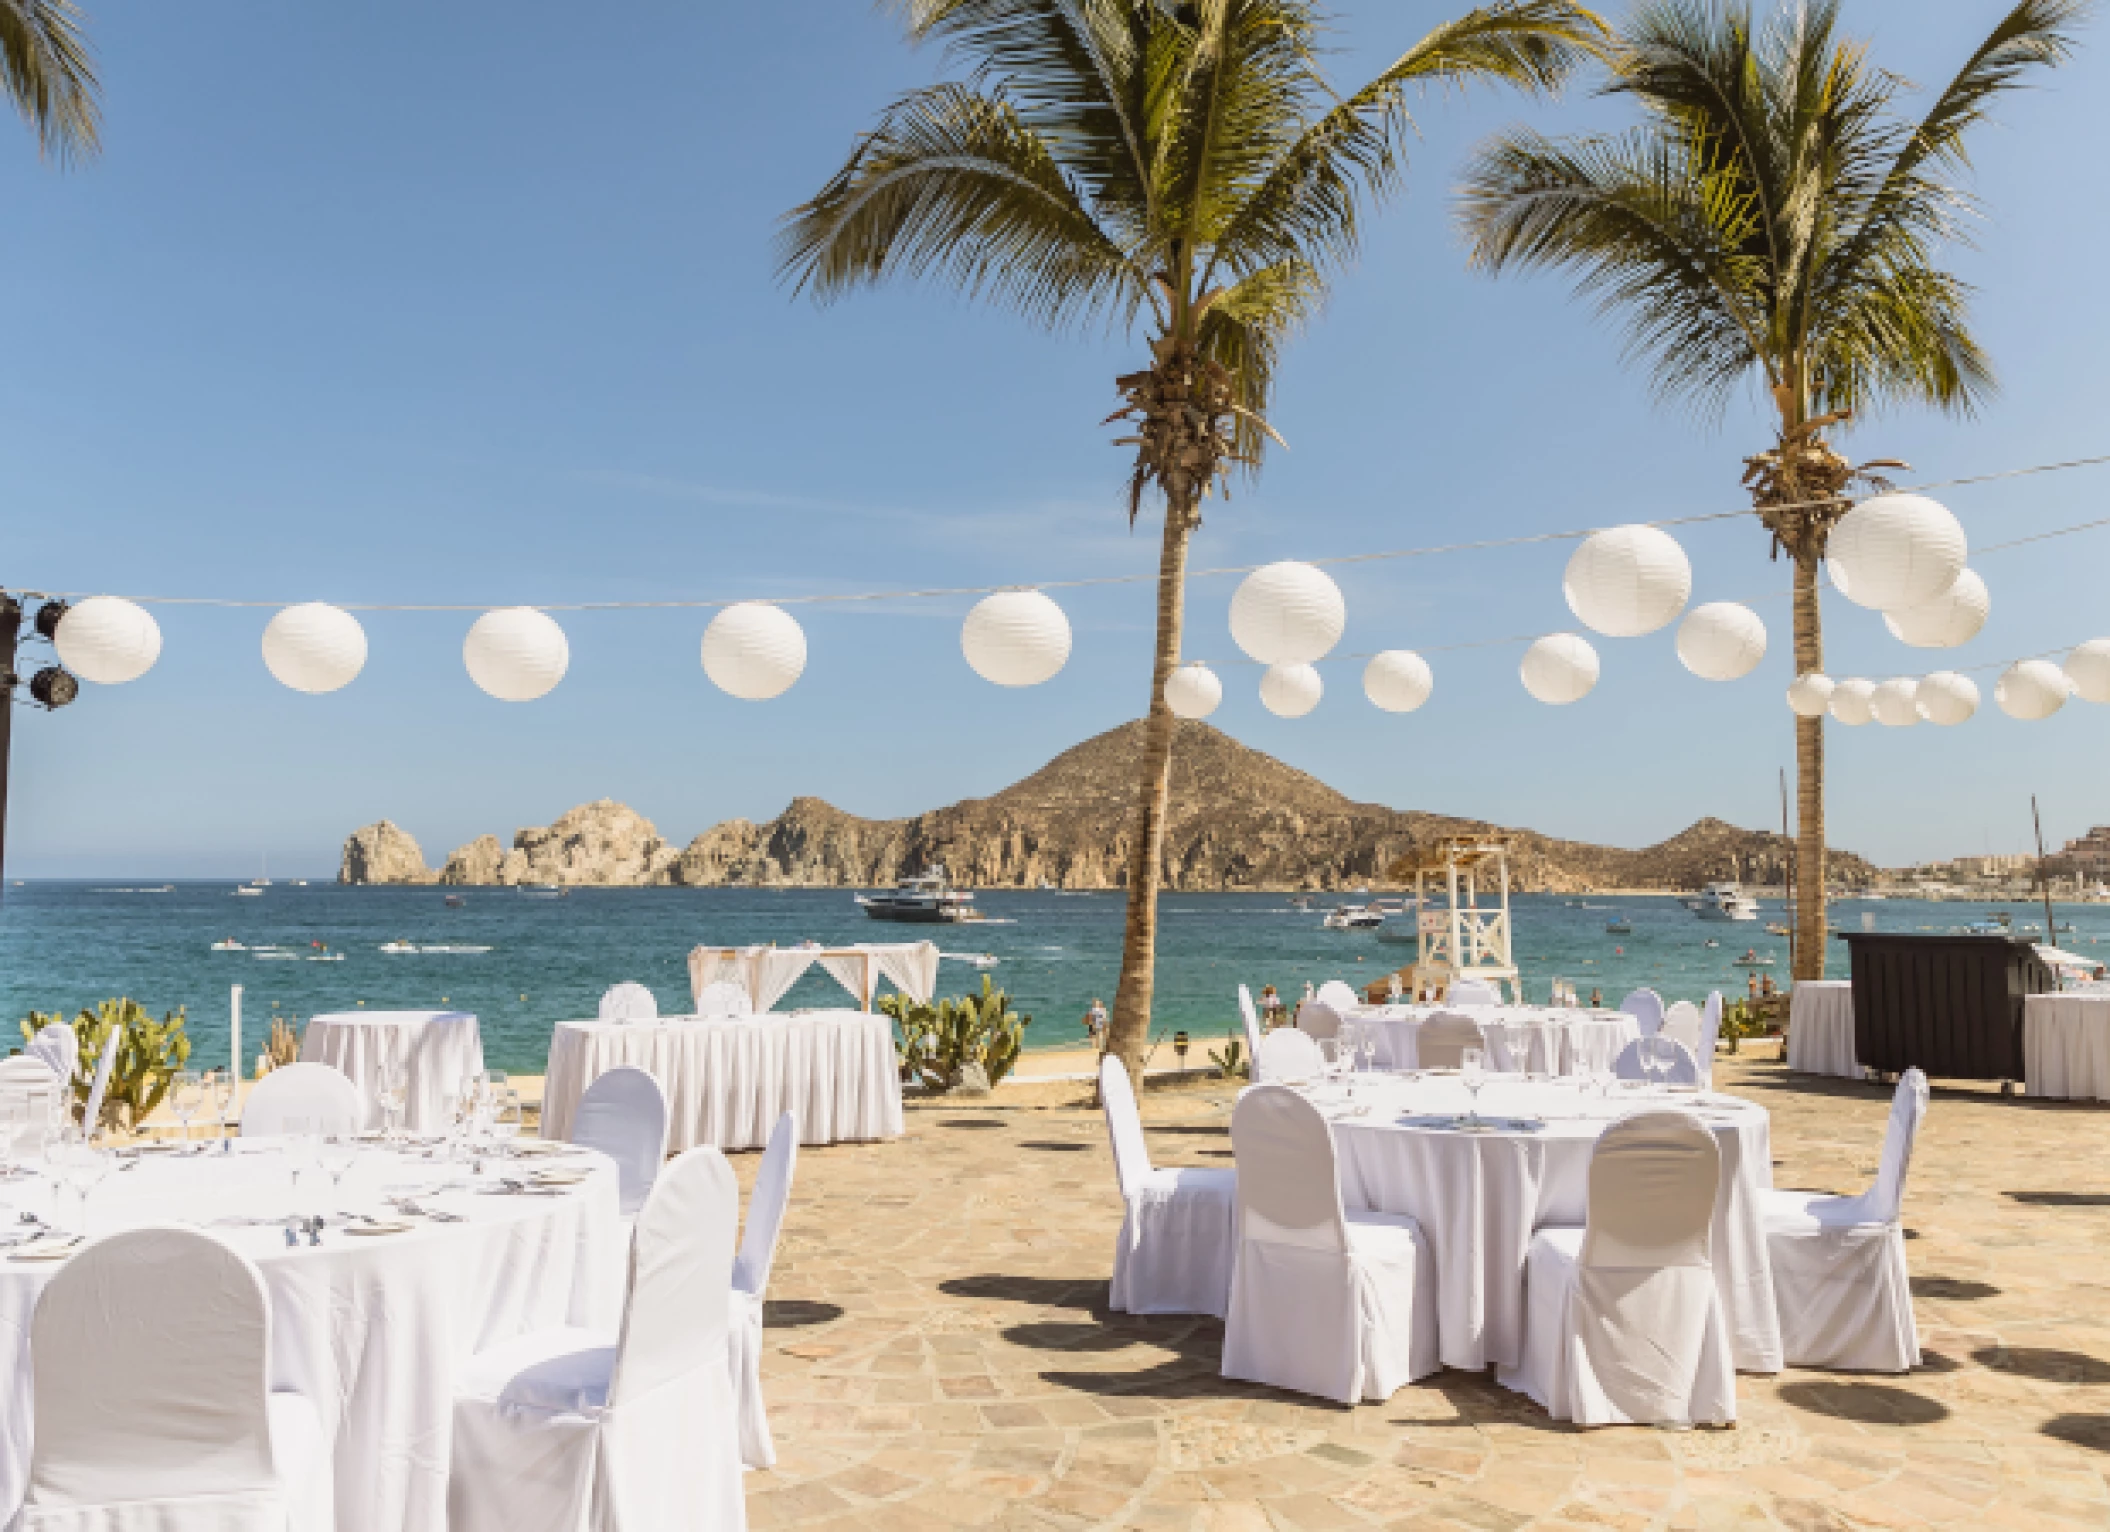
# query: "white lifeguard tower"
[[1460, 938]]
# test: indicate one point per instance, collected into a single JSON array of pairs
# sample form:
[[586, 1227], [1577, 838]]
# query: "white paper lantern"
[[1192, 691], [108, 640], [1559, 668], [2031, 689], [1853, 701], [1016, 638], [1626, 581], [1287, 614], [1291, 691], [1721, 641], [516, 653], [1947, 698], [2088, 668], [1897, 552], [314, 647], [1948, 620], [754, 651], [1896, 703], [1398, 680], [1810, 694]]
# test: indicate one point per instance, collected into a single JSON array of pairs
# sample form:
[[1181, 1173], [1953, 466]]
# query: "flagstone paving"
[[940, 1355]]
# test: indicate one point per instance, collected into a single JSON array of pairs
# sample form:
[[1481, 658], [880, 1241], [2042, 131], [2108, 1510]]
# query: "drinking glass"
[[301, 1134], [220, 1085], [1656, 1057], [1366, 1044], [394, 1094], [186, 1095], [82, 1165], [505, 1120], [336, 1154], [1469, 1073]]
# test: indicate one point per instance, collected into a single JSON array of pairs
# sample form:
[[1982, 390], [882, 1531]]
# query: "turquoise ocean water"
[[68, 944]]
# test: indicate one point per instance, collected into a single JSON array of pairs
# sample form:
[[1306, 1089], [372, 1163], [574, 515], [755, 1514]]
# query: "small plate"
[[46, 1249], [381, 1226], [557, 1177]]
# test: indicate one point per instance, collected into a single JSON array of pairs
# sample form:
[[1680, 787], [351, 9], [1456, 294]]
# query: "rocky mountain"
[[1239, 819]]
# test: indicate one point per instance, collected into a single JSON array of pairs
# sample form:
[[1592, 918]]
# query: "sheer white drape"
[[766, 973], [322, 1096], [758, 1252], [1179, 1228]]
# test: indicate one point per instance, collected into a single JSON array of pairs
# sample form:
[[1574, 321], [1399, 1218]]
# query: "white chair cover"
[[151, 1359], [624, 1115], [92, 1114], [1251, 1019], [1338, 1305], [1472, 992], [571, 1430], [629, 1001], [1710, 1035], [1685, 1071], [1180, 1231], [1287, 1054], [1623, 1322], [722, 997], [59, 1046], [314, 1091], [1646, 1007], [1318, 1020], [758, 1252], [1682, 1021], [1443, 1039], [1337, 996], [1839, 1274], [31, 1082]]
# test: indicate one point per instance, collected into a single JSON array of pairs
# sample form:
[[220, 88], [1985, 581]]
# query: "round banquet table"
[[439, 1048], [1821, 1028], [728, 1078], [1479, 1196], [2066, 1046], [369, 1328], [1521, 1039]]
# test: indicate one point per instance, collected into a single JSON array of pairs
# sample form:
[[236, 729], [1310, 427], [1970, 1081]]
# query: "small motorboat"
[[1776, 929], [399, 947], [248, 891], [1353, 917], [455, 901], [1710, 942], [229, 945], [1751, 959], [1619, 925]]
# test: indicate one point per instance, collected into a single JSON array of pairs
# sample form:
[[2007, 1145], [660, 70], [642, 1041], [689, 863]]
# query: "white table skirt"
[[1521, 1039], [1480, 1196], [2066, 1046], [440, 1048], [728, 1079], [369, 1329], [1821, 1028]]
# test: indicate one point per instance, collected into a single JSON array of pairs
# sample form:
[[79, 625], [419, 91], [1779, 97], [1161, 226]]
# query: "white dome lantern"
[[1288, 614], [754, 651], [1896, 552], [1398, 680], [1016, 638], [1721, 641], [516, 653], [2031, 690], [108, 640], [1291, 691], [1559, 668], [314, 647], [2088, 669], [1947, 698], [1896, 703], [1948, 620], [1626, 581], [1810, 694], [1193, 691], [1853, 701]]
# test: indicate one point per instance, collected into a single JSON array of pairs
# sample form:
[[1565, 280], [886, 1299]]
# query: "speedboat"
[[249, 891], [1619, 925], [1751, 959], [925, 899], [1353, 917], [1726, 901], [399, 947], [229, 945]]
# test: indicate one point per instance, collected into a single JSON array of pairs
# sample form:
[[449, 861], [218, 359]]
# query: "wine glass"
[[1470, 1066], [1654, 1059], [82, 1166], [301, 1132], [505, 1120], [394, 1095], [220, 1086], [336, 1154], [1366, 1045], [186, 1095]]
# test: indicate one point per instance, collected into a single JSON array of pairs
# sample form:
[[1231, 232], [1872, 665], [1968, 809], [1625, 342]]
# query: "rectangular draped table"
[[1521, 1039], [2066, 1046], [438, 1049], [728, 1079], [1821, 1028]]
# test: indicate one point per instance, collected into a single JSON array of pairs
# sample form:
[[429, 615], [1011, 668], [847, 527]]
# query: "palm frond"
[[49, 75], [1244, 328]]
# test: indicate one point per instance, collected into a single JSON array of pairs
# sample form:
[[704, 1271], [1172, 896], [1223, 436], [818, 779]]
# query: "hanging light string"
[[941, 592]]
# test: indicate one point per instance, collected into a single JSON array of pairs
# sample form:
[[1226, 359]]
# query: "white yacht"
[[1726, 901], [1353, 917], [926, 899]]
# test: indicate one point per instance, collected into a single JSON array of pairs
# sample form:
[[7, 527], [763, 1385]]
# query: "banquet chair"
[[1710, 1035], [1318, 1020], [1179, 1235], [1287, 1054], [1839, 1276], [1646, 1007], [624, 1115], [59, 1046], [1472, 992], [758, 1252], [1335, 1303], [1684, 1071], [1682, 1021], [1623, 1323], [1251, 1019], [1441, 1041], [92, 1113], [1337, 995], [41, 1093], [628, 1001], [324, 1096], [722, 997], [144, 1422], [572, 1430]]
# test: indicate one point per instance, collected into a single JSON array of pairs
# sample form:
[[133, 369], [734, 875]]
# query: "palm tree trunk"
[[1809, 779], [1129, 1031]]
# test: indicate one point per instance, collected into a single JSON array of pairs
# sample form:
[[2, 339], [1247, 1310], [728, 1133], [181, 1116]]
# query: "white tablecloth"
[[1479, 1196], [369, 1328], [1521, 1039], [2066, 1046], [441, 1049], [728, 1079], [1821, 1028]]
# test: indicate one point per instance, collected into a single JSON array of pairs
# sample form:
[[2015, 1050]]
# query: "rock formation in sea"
[[1239, 819]]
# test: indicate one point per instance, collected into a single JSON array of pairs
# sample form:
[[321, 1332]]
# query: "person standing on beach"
[[1095, 1023]]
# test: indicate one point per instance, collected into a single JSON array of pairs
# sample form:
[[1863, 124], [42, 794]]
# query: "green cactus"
[[148, 1057], [1230, 1059], [936, 1042]]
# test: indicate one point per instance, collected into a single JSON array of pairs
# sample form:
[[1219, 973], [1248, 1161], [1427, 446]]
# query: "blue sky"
[[475, 303]]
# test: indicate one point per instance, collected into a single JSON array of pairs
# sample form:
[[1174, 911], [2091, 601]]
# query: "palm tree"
[[1774, 218], [48, 75], [1175, 167]]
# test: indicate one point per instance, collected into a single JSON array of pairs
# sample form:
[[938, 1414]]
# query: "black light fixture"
[[51, 687], [1180, 1044], [54, 687]]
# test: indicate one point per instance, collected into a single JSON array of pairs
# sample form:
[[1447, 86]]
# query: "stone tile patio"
[[940, 1354]]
